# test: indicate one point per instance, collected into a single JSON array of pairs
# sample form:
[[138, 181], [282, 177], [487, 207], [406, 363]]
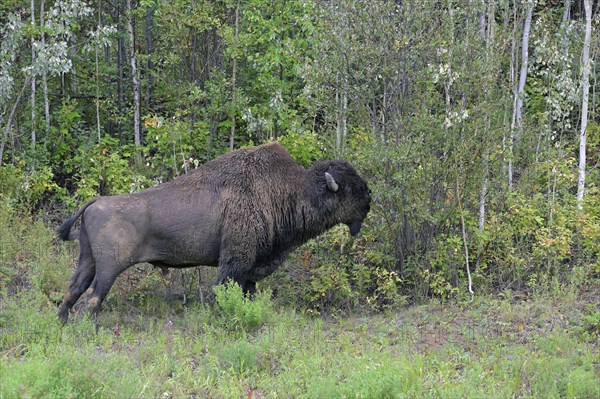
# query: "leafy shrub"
[[305, 148], [239, 312], [29, 257], [335, 272], [27, 188], [11, 177], [170, 146], [106, 168]]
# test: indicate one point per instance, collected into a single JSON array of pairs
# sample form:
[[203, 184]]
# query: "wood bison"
[[243, 212]]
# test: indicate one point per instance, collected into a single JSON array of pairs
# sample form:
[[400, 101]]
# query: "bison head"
[[347, 195]]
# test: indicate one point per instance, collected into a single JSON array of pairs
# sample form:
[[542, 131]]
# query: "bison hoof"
[[63, 316]]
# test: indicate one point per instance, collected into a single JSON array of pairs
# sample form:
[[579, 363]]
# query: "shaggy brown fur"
[[243, 212]]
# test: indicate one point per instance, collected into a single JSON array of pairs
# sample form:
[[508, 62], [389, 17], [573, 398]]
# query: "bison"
[[243, 212]]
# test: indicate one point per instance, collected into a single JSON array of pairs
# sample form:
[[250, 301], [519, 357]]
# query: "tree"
[[519, 91], [137, 128], [585, 83]]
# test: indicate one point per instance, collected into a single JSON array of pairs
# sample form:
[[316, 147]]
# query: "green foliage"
[[589, 328], [375, 380], [106, 168], [336, 273], [11, 177], [305, 148], [27, 189], [29, 258], [239, 312], [66, 134], [169, 145]]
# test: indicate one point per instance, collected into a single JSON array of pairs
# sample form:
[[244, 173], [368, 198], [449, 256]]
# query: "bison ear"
[[331, 184]]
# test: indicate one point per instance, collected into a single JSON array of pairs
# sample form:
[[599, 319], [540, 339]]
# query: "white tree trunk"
[[585, 82], [134, 77], [524, 63], [567, 11], [518, 100], [33, 135], [338, 125]]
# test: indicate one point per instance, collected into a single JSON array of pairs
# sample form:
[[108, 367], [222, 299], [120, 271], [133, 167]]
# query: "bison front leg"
[[224, 276], [236, 267], [249, 287]]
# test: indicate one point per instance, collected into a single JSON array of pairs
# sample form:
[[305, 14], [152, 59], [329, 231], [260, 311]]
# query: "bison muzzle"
[[243, 212]]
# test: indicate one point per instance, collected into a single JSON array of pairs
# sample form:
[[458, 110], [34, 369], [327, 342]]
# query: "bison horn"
[[331, 184]]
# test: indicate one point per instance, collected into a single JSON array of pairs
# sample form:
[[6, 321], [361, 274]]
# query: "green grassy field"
[[490, 348]]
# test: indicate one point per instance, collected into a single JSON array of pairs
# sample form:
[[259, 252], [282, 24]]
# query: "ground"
[[493, 347]]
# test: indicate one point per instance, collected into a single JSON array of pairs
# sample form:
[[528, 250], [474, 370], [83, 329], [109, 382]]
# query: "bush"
[[239, 312], [29, 257], [335, 272]]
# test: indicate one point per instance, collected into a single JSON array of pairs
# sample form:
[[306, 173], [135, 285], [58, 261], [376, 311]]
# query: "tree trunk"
[[194, 37], [150, 64], [517, 123], [33, 134], [585, 83], [97, 84], [344, 114], [567, 11], [464, 237], [120, 65], [44, 74], [10, 119], [524, 64], [134, 78], [233, 78]]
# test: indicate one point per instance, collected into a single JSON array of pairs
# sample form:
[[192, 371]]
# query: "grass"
[[489, 349]]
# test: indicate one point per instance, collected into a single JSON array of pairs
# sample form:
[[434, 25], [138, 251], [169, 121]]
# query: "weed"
[[239, 312]]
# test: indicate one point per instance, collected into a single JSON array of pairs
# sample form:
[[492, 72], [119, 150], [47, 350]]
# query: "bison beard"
[[243, 212]]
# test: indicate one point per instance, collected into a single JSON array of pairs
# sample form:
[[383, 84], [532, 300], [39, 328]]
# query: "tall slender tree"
[[44, 70], [134, 78], [519, 92], [33, 72], [585, 84]]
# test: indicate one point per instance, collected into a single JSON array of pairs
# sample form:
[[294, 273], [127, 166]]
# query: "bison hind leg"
[[79, 282], [105, 278]]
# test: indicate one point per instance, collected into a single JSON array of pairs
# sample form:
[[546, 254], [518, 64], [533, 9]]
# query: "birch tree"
[[134, 78], [517, 122], [33, 83], [585, 83]]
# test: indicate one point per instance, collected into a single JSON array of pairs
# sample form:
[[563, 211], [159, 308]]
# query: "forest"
[[474, 122]]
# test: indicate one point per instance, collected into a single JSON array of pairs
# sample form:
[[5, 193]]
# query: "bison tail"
[[64, 231]]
